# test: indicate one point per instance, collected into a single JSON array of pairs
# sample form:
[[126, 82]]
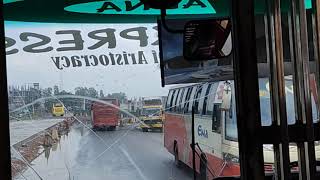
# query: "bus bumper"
[[152, 126]]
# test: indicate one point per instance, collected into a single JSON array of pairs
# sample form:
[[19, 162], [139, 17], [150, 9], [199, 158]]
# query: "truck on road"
[[105, 117], [57, 109], [151, 114]]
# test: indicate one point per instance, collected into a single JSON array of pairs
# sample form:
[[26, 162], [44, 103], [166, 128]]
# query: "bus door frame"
[[247, 90], [251, 135], [5, 154]]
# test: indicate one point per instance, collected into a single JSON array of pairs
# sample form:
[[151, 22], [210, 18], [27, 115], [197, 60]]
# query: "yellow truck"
[[57, 109], [151, 114]]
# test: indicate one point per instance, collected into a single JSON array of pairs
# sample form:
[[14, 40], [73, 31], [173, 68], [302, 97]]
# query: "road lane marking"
[[125, 152]]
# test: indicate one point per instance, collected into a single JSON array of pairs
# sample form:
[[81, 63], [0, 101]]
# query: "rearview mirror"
[[207, 39]]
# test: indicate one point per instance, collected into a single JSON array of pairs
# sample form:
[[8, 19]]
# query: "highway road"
[[125, 154]]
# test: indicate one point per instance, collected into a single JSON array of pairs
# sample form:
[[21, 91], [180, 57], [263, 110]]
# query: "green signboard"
[[135, 7], [116, 11]]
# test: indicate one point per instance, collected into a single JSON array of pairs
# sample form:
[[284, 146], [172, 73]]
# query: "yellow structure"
[[152, 114], [57, 109]]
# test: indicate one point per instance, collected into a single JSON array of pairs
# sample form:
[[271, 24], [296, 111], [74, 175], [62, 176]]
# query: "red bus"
[[105, 117], [215, 126]]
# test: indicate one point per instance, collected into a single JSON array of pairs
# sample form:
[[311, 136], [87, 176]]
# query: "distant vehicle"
[[152, 114], [57, 109], [105, 117]]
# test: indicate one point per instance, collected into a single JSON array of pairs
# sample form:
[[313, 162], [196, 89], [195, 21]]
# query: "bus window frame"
[[176, 103], [175, 95], [169, 99], [205, 100], [202, 96], [197, 98], [180, 100], [211, 96], [183, 98], [227, 117], [216, 111], [186, 100], [191, 99], [5, 151]]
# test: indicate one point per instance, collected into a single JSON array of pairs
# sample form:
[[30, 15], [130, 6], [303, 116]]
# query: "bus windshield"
[[151, 111], [58, 105], [91, 95]]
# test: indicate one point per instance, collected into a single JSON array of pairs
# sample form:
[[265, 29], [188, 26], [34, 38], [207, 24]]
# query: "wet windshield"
[[76, 98], [151, 112], [58, 105], [86, 99]]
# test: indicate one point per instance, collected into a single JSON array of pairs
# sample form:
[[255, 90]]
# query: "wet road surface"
[[20, 130], [126, 153]]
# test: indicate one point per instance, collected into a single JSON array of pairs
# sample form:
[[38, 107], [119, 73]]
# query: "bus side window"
[[211, 96], [186, 101], [192, 97], [183, 100], [180, 100], [171, 100], [202, 96], [216, 118], [197, 99], [175, 108], [205, 101]]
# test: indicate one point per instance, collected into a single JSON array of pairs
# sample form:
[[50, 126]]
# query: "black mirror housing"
[[207, 39]]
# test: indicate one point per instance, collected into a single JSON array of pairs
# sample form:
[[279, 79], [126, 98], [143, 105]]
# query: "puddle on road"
[[55, 161]]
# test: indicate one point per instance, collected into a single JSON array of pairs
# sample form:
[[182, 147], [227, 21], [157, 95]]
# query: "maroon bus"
[[105, 117]]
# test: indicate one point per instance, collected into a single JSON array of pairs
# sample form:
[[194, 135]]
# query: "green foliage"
[[88, 92], [55, 90], [120, 96], [101, 94]]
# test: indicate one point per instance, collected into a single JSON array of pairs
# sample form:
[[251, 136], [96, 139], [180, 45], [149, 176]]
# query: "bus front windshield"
[[101, 61], [101, 74], [151, 111]]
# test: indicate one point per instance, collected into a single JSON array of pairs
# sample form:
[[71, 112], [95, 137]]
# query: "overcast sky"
[[135, 80]]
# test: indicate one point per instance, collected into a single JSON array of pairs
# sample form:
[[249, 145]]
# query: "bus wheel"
[[144, 130], [177, 162]]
